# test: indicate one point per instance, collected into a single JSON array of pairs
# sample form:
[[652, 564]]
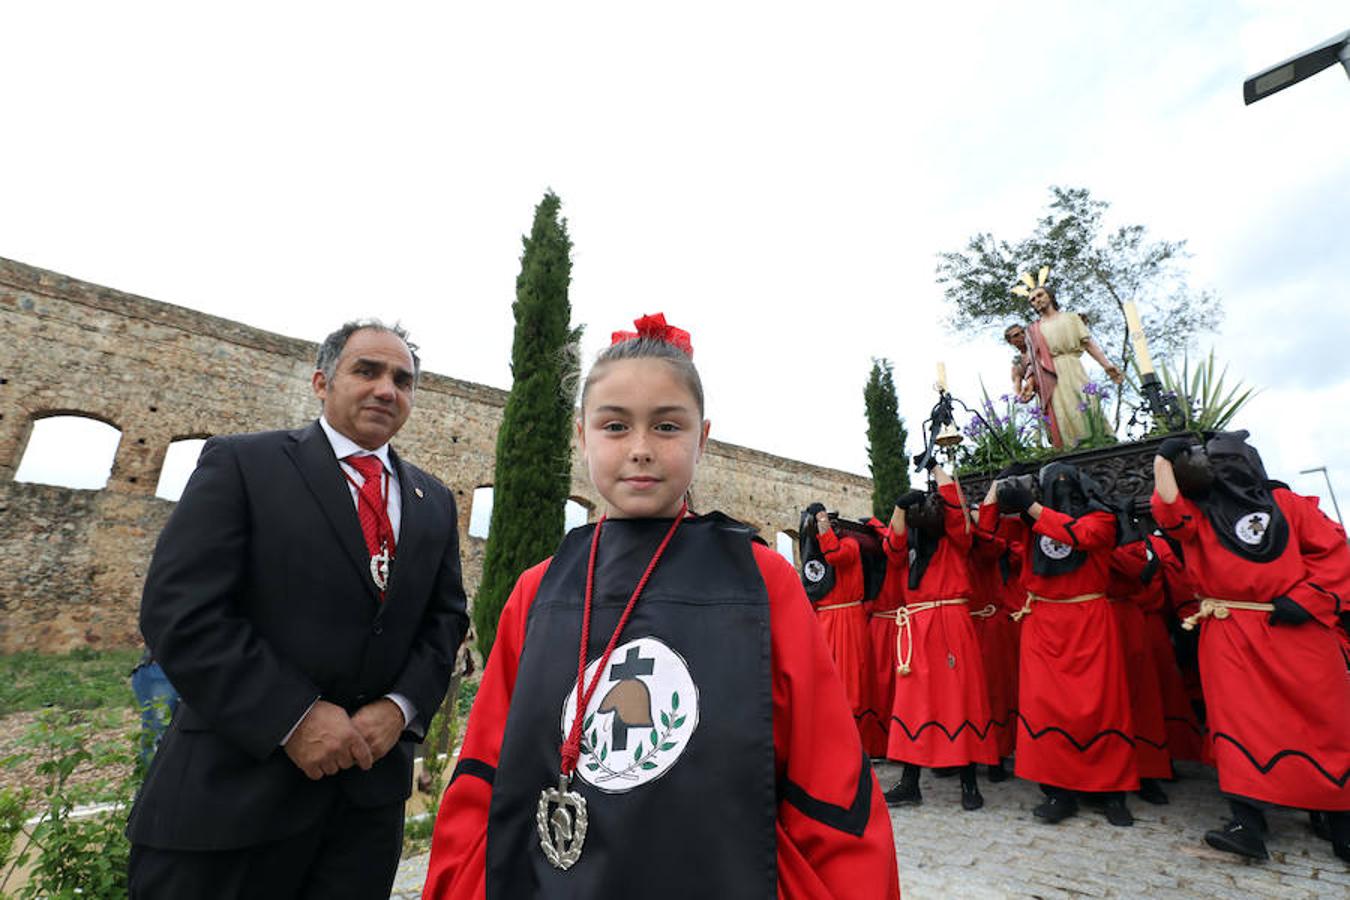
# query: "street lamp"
[[1296, 68], [1334, 504]]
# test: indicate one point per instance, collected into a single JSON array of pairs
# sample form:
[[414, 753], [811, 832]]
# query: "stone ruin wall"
[[72, 562]]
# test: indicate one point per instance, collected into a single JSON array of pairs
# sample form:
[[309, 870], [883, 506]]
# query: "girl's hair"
[[647, 348]]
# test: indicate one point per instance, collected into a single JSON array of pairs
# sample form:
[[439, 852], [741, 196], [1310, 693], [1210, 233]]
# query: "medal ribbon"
[[571, 748]]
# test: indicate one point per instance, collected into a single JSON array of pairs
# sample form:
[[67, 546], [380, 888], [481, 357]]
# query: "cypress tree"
[[885, 440], [534, 443]]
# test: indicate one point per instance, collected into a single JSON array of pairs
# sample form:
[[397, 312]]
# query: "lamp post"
[[1336, 506], [1296, 68]]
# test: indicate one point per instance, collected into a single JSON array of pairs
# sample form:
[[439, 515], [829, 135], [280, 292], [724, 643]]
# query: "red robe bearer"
[[995, 575], [881, 631], [1075, 729], [1158, 599], [844, 623], [940, 716], [830, 835], [1130, 566], [1277, 696]]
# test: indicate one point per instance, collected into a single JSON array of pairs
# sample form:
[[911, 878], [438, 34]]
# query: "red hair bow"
[[655, 328]]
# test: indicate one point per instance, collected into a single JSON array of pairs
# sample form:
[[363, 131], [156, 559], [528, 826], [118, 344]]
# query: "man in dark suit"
[[307, 604]]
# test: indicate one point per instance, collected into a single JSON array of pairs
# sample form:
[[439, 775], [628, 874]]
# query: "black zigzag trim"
[[851, 820], [858, 717], [1139, 738], [1264, 770], [475, 767], [951, 735], [1200, 732], [1081, 748]]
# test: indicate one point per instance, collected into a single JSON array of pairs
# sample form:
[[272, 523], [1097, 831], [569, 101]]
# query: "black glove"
[[1287, 612], [1014, 498], [928, 464], [910, 499], [1172, 448]]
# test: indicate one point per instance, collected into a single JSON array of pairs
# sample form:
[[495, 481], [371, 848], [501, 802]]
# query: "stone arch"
[[578, 512], [68, 448], [480, 511], [176, 464]]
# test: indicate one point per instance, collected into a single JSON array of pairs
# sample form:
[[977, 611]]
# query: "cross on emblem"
[[633, 665]]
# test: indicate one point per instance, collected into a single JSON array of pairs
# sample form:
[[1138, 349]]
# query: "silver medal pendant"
[[951, 661], [561, 821], [379, 568]]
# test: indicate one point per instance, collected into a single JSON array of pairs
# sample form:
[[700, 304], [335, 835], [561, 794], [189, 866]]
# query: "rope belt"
[[892, 614], [839, 606], [904, 638], [1026, 609], [1219, 609], [987, 612]]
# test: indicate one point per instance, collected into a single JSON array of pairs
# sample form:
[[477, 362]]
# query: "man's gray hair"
[[335, 343]]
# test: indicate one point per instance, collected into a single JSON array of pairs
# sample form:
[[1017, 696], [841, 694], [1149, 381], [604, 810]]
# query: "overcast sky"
[[776, 177]]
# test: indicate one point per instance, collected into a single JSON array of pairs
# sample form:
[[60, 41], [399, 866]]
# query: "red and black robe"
[[1277, 696], [770, 795], [1074, 725]]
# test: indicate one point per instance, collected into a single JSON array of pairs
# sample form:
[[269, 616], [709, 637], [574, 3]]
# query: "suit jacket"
[[258, 601]]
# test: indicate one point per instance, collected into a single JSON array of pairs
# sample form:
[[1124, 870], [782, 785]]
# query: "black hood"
[[1240, 504]]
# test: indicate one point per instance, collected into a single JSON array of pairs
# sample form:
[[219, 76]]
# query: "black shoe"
[[903, 795], [998, 774], [1342, 851], [1117, 813], [971, 798], [1317, 820], [1237, 838], [1151, 792], [1056, 809]]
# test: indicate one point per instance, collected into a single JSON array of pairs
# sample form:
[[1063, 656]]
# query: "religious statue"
[[1055, 344]]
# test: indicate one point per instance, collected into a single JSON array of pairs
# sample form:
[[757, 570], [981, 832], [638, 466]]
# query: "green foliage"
[[885, 440], [1201, 396], [534, 448], [84, 679], [1100, 431], [71, 853], [1094, 271]]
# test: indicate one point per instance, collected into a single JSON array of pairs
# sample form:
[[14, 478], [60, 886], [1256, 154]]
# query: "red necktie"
[[371, 508]]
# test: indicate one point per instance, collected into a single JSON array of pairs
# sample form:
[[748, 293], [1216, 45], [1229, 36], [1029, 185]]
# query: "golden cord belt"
[[904, 638], [987, 612], [1219, 609], [891, 614], [839, 606], [1026, 609]]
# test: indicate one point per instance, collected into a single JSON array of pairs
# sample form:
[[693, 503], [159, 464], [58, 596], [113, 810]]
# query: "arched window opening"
[[575, 514], [179, 462], [480, 511], [787, 545], [70, 451]]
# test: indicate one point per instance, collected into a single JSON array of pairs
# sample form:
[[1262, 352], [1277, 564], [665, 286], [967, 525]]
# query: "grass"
[[83, 679]]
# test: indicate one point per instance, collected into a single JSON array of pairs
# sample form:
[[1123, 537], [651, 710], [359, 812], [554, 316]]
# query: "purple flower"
[[1082, 407]]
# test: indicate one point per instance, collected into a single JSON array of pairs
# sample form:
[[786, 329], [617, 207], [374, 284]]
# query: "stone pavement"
[[1000, 851]]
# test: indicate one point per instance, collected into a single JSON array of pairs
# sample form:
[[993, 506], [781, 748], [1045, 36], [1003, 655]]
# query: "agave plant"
[[1201, 395]]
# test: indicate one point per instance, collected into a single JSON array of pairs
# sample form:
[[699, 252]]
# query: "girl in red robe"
[[1075, 729], [839, 607], [659, 716], [940, 715], [1271, 578]]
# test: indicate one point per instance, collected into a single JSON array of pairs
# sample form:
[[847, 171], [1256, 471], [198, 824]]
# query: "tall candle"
[[1136, 329], [942, 376]]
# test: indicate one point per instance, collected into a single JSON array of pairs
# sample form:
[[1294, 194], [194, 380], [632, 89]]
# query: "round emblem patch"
[[814, 570], [1053, 548], [1251, 528], [640, 718]]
